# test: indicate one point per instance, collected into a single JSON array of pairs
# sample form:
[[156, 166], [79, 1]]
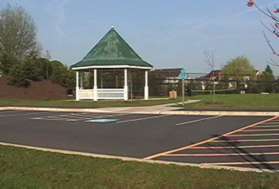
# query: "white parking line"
[[232, 147], [252, 140], [20, 114], [73, 118], [245, 163], [198, 120], [7, 111], [141, 119], [54, 119], [221, 155]]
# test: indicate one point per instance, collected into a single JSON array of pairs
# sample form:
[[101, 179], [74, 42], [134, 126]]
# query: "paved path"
[[148, 109]]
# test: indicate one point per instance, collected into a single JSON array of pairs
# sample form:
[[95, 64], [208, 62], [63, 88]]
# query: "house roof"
[[111, 51], [166, 73]]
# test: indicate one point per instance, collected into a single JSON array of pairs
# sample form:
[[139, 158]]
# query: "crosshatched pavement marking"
[[12, 114], [231, 147], [245, 140], [262, 154], [135, 135], [74, 117], [260, 130], [247, 135], [141, 119]]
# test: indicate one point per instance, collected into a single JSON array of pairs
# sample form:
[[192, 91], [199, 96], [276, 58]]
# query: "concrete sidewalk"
[[167, 109], [157, 109]]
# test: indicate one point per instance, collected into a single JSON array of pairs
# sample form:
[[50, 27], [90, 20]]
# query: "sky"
[[167, 34]]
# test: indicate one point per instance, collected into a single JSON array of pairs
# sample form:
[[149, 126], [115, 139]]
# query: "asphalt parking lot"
[[251, 142]]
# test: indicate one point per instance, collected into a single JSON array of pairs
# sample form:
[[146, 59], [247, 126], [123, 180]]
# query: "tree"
[[62, 75], [273, 28], [210, 60], [267, 75], [239, 69], [17, 37]]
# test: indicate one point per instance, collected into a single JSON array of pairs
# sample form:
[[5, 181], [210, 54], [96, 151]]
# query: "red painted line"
[[221, 155], [231, 147]]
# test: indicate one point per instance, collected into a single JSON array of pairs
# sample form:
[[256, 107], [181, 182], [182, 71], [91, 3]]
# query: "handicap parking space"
[[255, 147]]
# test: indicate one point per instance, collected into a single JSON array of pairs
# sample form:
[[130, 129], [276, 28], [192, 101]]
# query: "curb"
[[205, 113]]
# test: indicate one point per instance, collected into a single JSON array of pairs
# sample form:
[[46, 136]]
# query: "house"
[[216, 75]]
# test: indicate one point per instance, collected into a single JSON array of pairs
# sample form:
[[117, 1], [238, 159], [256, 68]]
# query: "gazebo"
[[107, 69]]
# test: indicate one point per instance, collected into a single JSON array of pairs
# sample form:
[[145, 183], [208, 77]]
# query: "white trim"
[[95, 87], [146, 88], [126, 84], [115, 66], [77, 86]]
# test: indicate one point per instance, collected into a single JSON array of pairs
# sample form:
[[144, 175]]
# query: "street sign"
[[183, 75]]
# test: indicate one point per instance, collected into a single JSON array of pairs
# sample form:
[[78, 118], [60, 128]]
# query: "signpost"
[[183, 76]]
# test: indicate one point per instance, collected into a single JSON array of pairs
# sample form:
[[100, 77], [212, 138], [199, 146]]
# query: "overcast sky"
[[165, 33]]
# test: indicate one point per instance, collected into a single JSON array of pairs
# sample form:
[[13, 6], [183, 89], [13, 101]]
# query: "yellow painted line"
[[221, 155], [141, 119], [260, 130], [245, 163], [244, 140], [198, 120], [208, 140], [240, 135]]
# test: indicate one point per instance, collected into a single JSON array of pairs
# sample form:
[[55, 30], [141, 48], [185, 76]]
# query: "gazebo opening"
[[112, 70]]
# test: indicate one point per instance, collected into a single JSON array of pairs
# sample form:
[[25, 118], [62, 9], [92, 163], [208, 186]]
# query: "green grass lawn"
[[82, 104], [20, 168], [236, 102]]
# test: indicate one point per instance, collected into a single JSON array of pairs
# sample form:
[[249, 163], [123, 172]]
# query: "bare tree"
[[210, 61], [17, 36], [272, 28]]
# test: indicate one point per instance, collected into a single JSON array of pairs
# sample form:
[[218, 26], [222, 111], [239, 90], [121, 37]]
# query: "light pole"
[[183, 76]]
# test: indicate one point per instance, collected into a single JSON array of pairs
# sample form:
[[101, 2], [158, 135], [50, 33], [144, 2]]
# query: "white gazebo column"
[[77, 86], [81, 80], [146, 88], [125, 84], [95, 88]]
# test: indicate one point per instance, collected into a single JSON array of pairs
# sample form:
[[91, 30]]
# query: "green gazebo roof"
[[111, 51]]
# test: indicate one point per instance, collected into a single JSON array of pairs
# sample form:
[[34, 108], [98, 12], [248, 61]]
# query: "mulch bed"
[[41, 90]]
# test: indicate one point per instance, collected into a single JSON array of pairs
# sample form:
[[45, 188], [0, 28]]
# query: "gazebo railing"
[[114, 94], [102, 94], [86, 94]]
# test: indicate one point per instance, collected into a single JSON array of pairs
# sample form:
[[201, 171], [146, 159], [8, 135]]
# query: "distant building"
[[166, 76], [216, 75]]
